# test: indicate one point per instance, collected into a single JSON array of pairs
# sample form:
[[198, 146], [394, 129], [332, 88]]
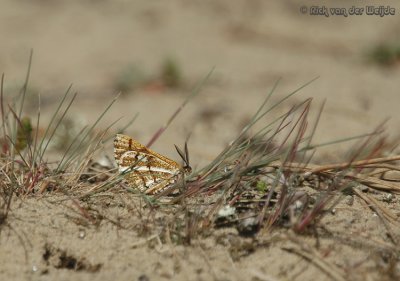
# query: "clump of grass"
[[386, 54], [24, 149], [265, 177], [235, 176], [171, 73], [133, 77]]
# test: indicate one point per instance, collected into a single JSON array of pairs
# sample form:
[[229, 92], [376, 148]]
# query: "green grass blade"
[[57, 125], [40, 150]]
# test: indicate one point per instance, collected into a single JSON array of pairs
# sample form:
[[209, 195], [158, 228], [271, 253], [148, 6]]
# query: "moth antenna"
[[184, 156], [181, 154], [187, 154]]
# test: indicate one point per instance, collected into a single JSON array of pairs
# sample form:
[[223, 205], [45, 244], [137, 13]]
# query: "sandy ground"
[[251, 46]]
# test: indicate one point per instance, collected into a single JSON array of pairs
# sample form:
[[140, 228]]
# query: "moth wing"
[[125, 144], [150, 172]]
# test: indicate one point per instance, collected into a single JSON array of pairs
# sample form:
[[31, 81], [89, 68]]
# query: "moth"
[[145, 169]]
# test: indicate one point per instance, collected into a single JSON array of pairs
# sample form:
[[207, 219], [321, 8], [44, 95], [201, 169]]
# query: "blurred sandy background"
[[96, 44]]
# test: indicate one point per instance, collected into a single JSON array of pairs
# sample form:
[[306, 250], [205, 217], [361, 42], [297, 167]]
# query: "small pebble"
[[226, 211], [34, 268], [333, 211], [82, 234], [143, 277], [298, 205], [388, 197], [349, 200], [248, 226]]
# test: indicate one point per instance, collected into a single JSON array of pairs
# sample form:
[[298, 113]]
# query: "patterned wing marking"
[[147, 170]]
